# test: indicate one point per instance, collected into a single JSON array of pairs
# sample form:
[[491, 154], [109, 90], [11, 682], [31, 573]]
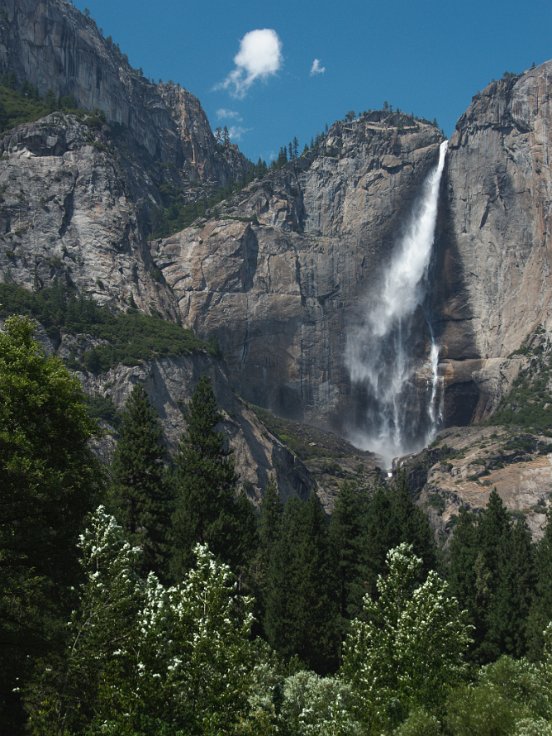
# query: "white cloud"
[[224, 114], [236, 132], [259, 57], [317, 68]]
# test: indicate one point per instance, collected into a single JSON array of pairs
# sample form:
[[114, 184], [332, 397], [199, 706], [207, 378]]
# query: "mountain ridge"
[[278, 271]]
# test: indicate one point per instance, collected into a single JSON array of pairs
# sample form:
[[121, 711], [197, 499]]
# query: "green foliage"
[[347, 535], [300, 609], [491, 571], [102, 407], [533, 727], [508, 614], [541, 606], [419, 723], [130, 337], [509, 696], [101, 634], [391, 519], [206, 507], [177, 213], [18, 107], [480, 710], [145, 659], [528, 404], [407, 648], [48, 478], [318, 706], [22, 104], [269, 529], [140, 489]]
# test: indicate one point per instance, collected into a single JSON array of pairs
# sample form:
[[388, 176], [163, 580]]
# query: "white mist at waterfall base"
[[383, 348]]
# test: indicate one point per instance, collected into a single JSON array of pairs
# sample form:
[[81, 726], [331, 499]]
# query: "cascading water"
[[385, 351]]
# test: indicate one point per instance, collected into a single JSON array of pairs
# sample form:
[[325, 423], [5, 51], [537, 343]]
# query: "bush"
[[419, 723]]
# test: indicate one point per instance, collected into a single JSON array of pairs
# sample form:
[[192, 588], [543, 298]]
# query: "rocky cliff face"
[[70, 211], [258, 455], [278, 272], [54, 47], [496, 239]]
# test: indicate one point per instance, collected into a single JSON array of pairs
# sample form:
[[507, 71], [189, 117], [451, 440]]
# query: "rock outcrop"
[[258, 455], [465, 464], [52, 46], [70, 211], [496, 239], [279, 271]]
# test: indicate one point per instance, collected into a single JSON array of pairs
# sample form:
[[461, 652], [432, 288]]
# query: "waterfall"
[[392, 360]]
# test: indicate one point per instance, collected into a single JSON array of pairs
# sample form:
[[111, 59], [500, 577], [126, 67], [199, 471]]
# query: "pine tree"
[[514, 591], [347, 525], [541, 606], [493, 532], [206, 508], [269, 530], [491, 571], [462, 556], [393, 518], [494, 526], [301, 613], [140, 488]]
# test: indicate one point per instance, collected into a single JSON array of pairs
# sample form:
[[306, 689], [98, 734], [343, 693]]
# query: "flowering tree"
[[408, 645], [143, 658]]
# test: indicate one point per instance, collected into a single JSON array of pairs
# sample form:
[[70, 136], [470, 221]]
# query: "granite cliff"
[[81, 193], [278, 272], [57, 49], [493, 279]]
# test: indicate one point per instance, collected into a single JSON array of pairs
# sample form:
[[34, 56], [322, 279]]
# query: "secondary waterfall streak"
[[383, 351]]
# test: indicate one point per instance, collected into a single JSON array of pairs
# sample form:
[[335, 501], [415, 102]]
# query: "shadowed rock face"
[[496, 240], [279, 273]]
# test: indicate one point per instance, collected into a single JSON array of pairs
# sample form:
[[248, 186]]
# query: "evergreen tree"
[[139, 484], [301, 614], [462, 556], [511, 603], [493, 532], [282, 157], [48, 477], [541, 606], [347, 526], [393, 518], [491, 571], [269, 530], [493, 527], [206, 508]]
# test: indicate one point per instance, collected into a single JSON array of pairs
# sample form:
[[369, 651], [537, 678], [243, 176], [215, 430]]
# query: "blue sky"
[[423, 56]]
